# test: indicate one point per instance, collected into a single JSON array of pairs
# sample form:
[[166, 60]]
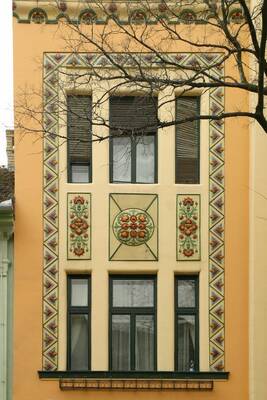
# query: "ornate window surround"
[[52, 63]]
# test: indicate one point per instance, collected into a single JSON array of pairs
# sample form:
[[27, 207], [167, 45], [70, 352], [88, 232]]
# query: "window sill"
[[111, 380]]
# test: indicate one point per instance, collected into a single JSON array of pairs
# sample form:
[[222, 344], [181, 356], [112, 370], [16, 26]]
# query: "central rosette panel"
[[133, 227]]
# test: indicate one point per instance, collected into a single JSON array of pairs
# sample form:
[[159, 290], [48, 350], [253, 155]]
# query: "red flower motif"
[[188, 227], [78, 251], [188, 201], [79, 226], [78, 200], [188, 252]]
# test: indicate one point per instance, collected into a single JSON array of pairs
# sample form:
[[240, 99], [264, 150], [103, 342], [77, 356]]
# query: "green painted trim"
[[133, 375]]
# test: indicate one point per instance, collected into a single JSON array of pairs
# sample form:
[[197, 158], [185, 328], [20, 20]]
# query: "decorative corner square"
[[188, 227], [79, 226], [133, 227]]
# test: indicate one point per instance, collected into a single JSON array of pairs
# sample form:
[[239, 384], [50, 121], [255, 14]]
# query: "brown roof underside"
[[6, 184]]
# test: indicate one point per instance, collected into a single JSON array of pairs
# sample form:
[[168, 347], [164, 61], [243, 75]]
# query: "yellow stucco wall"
[[30, 41]]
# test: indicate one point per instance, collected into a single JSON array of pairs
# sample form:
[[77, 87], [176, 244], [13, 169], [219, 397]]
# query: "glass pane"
[[186, 343], [186, 293], [145, 159], [79, 292], [121, 159], [79, 173], [144, 343], [133, 293], [120, 342], [79, 342]]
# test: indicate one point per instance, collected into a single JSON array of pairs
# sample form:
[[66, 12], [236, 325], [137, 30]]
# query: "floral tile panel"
[[133, 227], [188, 227], [79, 226]]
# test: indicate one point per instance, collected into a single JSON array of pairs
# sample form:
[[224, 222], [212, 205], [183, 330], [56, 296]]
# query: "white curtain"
[[186, 342], [79, 342]]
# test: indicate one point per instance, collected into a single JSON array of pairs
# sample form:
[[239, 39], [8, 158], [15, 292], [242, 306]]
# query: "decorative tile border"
[[79, 226], [188, 227], [133, 227], [52, 63]]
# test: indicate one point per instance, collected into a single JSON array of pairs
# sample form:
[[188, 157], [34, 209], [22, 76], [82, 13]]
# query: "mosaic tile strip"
[[52, 63], [133, 228], [188, 227], [79, 226], [50, 234], [216, 231]]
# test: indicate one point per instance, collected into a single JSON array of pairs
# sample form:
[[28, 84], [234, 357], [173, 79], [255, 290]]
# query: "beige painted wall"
[[258, 264], [30, 43]]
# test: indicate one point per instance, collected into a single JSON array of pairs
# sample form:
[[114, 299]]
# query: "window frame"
[[86, 310], [134, 143], [90, 152], [133, 312], [198, 97], [133, 160], [186, 311]]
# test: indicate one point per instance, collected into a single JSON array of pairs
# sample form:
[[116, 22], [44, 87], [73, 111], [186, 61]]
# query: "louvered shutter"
[[79, 117], [187, 141], [133, 112]]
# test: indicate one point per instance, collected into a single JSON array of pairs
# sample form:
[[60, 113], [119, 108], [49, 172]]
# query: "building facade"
[[6, 280], [132, 263]]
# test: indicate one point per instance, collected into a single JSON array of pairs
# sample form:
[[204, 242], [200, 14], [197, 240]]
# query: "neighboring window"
[[132, 323], [79, 122], [78, 334], [186, 323], [187, 139], [133, 148]]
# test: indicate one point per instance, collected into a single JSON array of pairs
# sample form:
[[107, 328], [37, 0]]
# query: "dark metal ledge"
[[162, 375]]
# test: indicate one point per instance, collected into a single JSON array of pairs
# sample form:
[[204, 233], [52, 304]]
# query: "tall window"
[[186, 323], [78, 319], [133, 148], [79, 117], [187, 161], [132, 323]]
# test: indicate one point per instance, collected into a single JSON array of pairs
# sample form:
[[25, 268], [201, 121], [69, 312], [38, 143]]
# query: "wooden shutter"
[[133, 112], [79, 129], [187, 141]]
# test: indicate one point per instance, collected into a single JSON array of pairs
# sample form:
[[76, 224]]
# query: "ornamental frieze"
[[101, 12]]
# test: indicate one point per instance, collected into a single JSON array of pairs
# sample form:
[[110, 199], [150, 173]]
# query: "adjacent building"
[[6, 280]]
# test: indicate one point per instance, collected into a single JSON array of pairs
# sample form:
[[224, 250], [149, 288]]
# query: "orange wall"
[[30, 41]]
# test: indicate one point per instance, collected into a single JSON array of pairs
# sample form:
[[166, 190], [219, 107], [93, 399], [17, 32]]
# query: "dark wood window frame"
[[133, 160], [179, 128], [186, 311], [133, 312], [70, 162], [85, 310], [134, 141]]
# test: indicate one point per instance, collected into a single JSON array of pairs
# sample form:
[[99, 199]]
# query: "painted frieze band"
[[120, 235]]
